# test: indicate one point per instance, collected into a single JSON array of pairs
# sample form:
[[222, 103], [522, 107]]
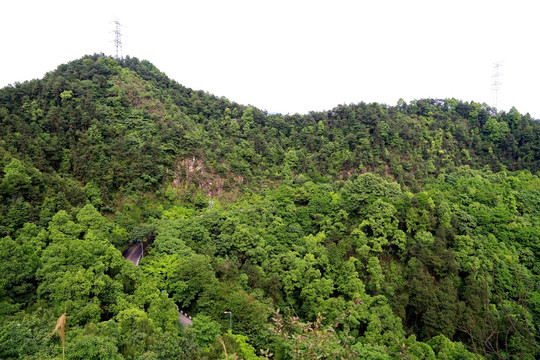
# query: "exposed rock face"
[[193, 171]]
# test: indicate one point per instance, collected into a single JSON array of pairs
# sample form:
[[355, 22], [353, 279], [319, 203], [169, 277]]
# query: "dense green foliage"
[[367, 231]]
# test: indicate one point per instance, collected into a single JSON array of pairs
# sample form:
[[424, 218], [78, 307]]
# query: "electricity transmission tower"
[[118, 39], [496, 83]]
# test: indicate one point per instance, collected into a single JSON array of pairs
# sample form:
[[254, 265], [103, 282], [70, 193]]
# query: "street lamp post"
[[230, 319]]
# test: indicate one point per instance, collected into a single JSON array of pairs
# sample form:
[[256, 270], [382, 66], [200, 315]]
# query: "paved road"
[[184, 318], [135, 254]]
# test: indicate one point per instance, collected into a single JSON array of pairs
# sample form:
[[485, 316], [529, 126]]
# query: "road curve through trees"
[[135, 255]]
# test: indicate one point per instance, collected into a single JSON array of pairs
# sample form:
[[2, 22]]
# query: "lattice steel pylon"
[[496, 83], [118, 39]]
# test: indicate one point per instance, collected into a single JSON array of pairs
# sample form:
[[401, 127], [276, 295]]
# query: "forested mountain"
[[368, 231]]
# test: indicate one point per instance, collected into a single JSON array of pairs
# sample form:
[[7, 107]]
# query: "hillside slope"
[[367, 231], [125, 126]]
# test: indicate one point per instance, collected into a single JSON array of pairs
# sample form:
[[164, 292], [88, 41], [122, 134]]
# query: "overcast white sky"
[[294, 56]]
